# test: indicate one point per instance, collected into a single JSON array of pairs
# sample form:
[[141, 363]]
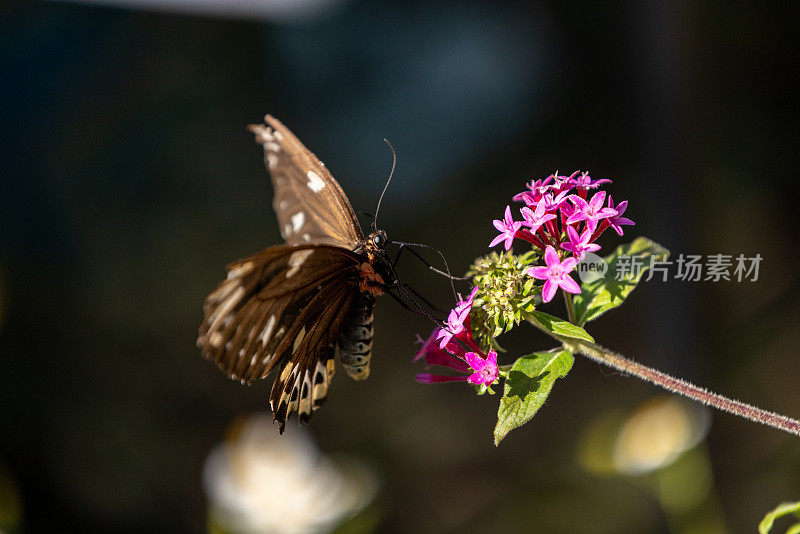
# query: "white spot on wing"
[[299, 339], [225, 308], [297, 221], [215, 339], [296, 260], [315, 183], [267, 332], [243, 269]]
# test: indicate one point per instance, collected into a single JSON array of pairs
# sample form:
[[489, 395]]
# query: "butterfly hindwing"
[[253, 318], [302, 384], [310, 205]]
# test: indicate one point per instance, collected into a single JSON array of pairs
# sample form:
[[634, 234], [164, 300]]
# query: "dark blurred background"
[[129, 181]]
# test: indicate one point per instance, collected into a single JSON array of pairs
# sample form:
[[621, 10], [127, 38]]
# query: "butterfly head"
[[378, 240]]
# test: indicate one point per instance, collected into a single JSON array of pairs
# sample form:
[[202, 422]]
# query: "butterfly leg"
[[407, 246], [418, 310], [423, 299]]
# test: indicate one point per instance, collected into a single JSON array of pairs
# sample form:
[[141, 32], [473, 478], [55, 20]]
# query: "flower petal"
[[427, 378], [497, 240], [539, 273], [476, 379], [572, 233], [475, 361], [569, 285], [568, 265], [597, 200], [551, 256], [549, 290]]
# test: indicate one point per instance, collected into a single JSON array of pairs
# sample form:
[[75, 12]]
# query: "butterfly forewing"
[[310, 205]]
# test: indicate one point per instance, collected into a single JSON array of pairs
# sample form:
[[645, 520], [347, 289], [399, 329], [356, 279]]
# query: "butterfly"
[[293, 307]]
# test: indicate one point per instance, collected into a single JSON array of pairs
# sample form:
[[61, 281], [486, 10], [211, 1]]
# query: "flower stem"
[[570, 307], [678, 385]]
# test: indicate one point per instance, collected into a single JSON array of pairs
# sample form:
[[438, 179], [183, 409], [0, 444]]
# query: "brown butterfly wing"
[[283, 306], [310, 205]]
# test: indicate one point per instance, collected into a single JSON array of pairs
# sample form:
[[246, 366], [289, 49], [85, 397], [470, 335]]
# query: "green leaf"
[[781, 510], [528, 384], [599, 296], [559, 326]]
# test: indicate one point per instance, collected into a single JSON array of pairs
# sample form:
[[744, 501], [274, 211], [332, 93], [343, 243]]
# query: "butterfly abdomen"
[[355, 339]]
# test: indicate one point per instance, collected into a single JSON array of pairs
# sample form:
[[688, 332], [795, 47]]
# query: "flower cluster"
[[564, 222], [454, 347]]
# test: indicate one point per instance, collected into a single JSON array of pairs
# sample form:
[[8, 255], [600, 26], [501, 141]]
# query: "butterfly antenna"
[[365, 214], [385, 187]]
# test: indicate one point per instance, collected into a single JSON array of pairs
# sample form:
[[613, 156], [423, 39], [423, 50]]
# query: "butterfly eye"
[[379, 239]]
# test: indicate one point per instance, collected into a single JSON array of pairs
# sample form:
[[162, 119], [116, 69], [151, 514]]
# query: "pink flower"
[[486, 371], [584, 181], [453, 326], [466, 304], [536, 188], [434, 354], [591, 212], [534, 219], [560, 181], [552, 203], [555, 274], [508, 228], [617, 220], [580, 244], [474, 367]]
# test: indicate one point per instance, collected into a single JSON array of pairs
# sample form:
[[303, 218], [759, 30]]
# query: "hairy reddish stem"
[[679, 386]]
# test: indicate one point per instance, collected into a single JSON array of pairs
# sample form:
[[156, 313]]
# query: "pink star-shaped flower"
[[555, 274], [536, 188], [591, 212], [453, 326], [467, 303], [561, 181], [474, 366], [584, 181], [434, 354], [535, 218], [552, 203], [486, 371], [508, 228], [579, 244], [617, 220]]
